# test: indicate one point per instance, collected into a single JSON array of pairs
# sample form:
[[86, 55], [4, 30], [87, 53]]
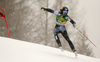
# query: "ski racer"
[[61, 19]]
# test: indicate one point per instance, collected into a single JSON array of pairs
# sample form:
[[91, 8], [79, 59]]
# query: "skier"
[[61, 19]]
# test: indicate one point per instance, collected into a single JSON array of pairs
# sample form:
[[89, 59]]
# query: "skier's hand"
[[74, 25], [43, 8]]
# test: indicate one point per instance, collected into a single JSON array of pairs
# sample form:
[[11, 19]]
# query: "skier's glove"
[[43, 8], [74, 25]]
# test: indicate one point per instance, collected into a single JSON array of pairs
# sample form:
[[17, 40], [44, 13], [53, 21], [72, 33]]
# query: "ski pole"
[[35, 12], [85, 37]]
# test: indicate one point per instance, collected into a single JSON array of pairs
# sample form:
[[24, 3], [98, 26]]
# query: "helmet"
[[64, 9]]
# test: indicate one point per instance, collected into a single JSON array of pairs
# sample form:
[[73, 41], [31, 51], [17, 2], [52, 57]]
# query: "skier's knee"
[[56, 37]]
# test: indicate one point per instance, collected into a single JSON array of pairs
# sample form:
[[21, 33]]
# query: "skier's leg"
[[57, 39], [65, 35], [56, 31]]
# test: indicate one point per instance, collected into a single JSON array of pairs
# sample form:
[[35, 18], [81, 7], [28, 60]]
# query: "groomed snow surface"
[[12, 50]]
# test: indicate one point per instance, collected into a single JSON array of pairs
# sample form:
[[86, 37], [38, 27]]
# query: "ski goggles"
[[65, 12]]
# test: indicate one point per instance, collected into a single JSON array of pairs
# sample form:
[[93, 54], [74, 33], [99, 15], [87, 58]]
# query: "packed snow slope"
[[19, 51]]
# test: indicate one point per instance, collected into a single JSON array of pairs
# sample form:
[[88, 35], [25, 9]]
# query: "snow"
[[12, 50]]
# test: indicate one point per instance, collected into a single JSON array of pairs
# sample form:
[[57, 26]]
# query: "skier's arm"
[[47, 9], [50, 10], [73, 22]]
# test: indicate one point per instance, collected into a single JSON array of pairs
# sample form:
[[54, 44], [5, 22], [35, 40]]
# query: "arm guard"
[[71, 20], [49, 10]]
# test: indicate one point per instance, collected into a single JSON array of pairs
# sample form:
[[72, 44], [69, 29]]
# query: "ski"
[[63, 51]]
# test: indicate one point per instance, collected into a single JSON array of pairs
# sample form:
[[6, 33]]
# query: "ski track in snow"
[[12, 50]]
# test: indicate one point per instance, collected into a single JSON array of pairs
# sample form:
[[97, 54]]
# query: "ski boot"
[[60, 47], [74, 51]]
